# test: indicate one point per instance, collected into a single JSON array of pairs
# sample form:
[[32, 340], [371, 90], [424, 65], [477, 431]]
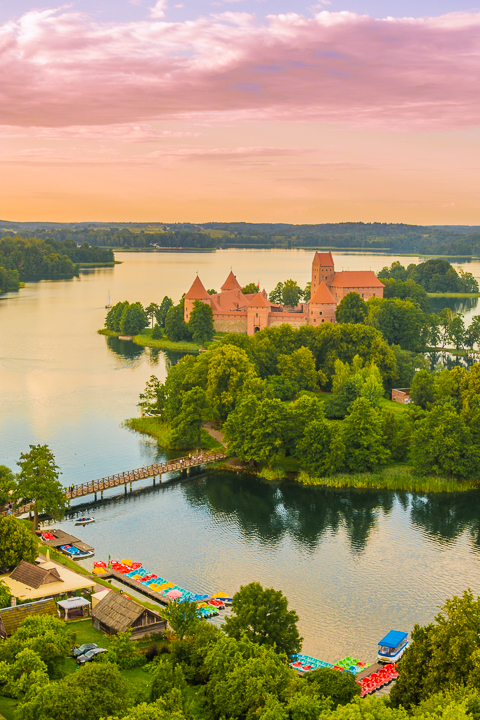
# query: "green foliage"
[[162, 311], [133, 320], [421, 391], [35, 259], [321, 450], [229, 369], [408, 290], [190, 652], [400, 322], [407, 364], [167, 676], [363, 437], [114, 316], [38, 483], [94, 692], [26, 672], [456, 331], [351, 382], [157, 332], [397, 435], [442, 444], [351, 309], [45, 635], [243, 675], [16, 542], [250, 288], [307, 293], [123, 649], [262, 616], [291, 293], [443, 655], [276, 296], [153, 399], [200, 325], [182, 617], [186, 427], [472, 333], [8, 484], [299, 369], [436, 275], [340, 687], [5, 595], [9, 280], [176, 328], [151, 311]]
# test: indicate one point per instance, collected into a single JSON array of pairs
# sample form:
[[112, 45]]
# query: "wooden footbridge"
[[149, 471]]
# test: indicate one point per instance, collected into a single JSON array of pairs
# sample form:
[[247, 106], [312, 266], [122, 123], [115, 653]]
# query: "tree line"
[[24, 259], [111, 237]]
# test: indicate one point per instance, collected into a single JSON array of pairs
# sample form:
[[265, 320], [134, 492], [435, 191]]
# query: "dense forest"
[[393, 237], [23, 259]]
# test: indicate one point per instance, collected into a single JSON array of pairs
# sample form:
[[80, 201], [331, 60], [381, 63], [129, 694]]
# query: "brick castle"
[[234, 311]]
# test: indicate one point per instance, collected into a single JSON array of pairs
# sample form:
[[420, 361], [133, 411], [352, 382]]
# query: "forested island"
[[314, 401], [26, 259], [390, 237]]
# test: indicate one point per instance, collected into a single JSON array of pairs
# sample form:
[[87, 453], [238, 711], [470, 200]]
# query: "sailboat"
[[109, 301]]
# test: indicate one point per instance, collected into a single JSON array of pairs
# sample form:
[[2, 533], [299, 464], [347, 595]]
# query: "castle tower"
[[258, 311], [322, 306], [323, 270], [231, 283], [196, 292]]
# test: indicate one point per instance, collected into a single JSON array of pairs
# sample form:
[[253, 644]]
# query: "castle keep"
[[234, 311]]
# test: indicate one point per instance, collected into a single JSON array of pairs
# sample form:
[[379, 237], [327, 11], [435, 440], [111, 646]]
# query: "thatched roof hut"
[[11, 617], [116, 613]]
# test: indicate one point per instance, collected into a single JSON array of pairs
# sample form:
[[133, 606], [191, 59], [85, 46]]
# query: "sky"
[[230, 110]]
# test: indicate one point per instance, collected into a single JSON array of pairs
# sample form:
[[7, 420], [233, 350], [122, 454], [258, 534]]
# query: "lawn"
[[163, 433], [7, 707], [454, 295]]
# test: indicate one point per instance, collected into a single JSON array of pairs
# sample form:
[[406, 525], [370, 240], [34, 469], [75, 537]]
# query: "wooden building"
[[11, 617], [116, 613], [34, 582]]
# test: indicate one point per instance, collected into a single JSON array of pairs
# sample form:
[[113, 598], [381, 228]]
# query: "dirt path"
[[215, 434]]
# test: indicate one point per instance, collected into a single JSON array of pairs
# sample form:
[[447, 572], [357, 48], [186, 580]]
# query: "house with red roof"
[[235, 311]]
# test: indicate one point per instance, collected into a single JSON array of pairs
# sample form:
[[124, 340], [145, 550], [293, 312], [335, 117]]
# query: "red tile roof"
[[197, 291], [231, 283], [258, 300], [323, 259], [322, 295], [356, 279]]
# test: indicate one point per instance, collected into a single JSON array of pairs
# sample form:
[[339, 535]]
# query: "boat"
[[109, 301], [84, 521], [392, 646], [75, 554]]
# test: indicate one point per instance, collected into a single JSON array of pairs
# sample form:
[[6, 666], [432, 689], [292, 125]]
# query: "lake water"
[[353, 564]]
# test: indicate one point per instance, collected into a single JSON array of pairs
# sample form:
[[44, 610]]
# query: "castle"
[[234, 311]]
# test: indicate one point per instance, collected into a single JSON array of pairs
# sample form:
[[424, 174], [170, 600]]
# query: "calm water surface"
[[353, 564]]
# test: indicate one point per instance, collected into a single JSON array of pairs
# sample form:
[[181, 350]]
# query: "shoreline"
[[161, 431], [145, 339]]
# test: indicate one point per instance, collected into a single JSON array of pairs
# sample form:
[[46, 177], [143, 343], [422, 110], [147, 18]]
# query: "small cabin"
[[116, 613], [392, 646], [401, 395]]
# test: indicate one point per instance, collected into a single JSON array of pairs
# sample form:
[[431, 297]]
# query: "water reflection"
[[270, 511], [458, 305], [128, 350], [124, 348]]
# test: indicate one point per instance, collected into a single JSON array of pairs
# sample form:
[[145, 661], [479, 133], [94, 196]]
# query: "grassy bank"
[[145, 338], [112, 263], [453, 295], [163, 433]]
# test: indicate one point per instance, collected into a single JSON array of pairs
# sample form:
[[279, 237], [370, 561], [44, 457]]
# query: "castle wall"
[[365, 292], [322, 313], [293, 319], [230, 323]]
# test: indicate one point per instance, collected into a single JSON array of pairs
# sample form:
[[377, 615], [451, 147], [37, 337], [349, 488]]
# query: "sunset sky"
[[255, 110]]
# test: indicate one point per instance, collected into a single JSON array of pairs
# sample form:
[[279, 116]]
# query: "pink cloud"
[[158, 10], [61, 68]]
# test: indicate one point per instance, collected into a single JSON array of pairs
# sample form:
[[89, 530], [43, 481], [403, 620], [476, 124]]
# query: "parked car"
[[90, 655], [83, 649]]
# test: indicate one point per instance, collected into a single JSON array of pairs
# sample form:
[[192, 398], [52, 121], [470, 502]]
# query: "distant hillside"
[[392, 237]]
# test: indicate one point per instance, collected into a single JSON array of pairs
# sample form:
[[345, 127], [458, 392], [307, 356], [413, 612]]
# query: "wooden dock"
[[111, 574], [148, 471], [62, 538]]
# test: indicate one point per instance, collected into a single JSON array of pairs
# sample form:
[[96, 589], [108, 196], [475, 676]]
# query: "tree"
[[153, 399], [276, 294], [48, 636], [400, 321], [5, 595], [96, 691], [340, 687], [114, 316], [176, 329], [26, 672], [262, 615], [200, 324], [291, 293], [442, 444], [472, 335], [307, 293], [38, 483], [182, 617], [229, 368], [250, 289], [151, 311], [422, 389], [456, 332], [134, 319], [8, 484], [315, 451], [16, 542], [299, 368], [211, 291], [161, 314], [157, 332], [442, 655], [351, 309], [363, 437], [187, 426]]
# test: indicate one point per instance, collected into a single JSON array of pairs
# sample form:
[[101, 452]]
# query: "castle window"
[[323, 320], [321, 313], [257, 315]]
